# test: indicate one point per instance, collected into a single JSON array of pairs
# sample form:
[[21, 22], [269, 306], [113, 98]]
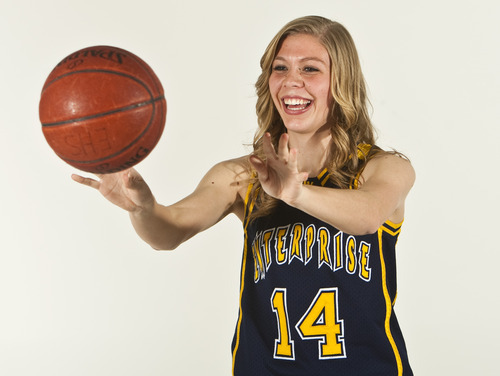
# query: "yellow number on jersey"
[[283, 346], [321, 322]]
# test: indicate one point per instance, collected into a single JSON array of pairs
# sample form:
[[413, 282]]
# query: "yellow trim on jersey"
[[363, 150], [248, 209], [323, 176], [355, 182], [395, 226], [247, 195], [387, 298]]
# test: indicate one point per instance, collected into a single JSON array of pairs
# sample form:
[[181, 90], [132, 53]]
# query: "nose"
[[293, 78]]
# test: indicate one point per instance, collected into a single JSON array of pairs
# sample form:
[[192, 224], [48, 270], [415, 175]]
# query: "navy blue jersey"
[[315, 300]]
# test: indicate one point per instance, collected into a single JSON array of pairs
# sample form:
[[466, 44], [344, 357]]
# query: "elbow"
[[371, 228], [365, 229], [169, 243], [161, 247], [371, 217], [373, 222], [367, 224]]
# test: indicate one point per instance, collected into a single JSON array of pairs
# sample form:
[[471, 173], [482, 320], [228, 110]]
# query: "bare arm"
[[386, 181], [217, 195], [166, 227]]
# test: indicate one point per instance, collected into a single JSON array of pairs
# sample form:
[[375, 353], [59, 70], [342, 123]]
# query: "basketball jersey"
[[315, 300]]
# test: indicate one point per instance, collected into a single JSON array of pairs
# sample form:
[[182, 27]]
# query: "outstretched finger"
[[86, 181], [283, 151], [268, 147]]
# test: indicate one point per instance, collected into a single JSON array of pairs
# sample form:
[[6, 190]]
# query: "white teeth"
[[297, 108], [295, 101]]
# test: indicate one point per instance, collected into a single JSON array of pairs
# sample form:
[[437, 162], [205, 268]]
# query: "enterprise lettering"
[[297, 243]]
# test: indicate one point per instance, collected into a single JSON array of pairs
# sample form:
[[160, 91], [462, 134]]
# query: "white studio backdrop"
[[81, 294]]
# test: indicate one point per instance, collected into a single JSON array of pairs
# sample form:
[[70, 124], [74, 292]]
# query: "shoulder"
[[389, 165], [232, 175], [239, 164], [221, 189], [237, 169]]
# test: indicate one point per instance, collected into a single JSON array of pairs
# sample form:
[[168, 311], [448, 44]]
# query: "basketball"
[[102, 109]]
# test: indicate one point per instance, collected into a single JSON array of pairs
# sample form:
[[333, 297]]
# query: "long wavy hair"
[[349, 118]]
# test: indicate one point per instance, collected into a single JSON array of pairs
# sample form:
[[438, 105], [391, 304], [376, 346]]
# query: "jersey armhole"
[[249, 203]]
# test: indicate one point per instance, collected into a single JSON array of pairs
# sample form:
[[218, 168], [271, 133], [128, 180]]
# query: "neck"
[[313, 150]]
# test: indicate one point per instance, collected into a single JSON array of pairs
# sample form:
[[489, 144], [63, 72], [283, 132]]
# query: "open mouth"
[[296, 104]]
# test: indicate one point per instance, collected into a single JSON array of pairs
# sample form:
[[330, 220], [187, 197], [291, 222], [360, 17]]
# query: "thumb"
[[132, 179], [259, 166]]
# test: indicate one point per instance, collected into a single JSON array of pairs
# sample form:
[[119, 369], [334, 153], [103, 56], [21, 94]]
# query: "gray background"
[[80, 294]]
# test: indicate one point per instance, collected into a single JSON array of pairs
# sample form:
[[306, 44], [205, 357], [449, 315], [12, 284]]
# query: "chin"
[[298, 126]]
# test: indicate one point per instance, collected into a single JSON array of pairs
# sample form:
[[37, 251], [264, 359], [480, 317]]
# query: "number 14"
[[320, 322]]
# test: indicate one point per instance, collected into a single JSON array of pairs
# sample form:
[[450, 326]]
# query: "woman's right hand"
[[219, 193], [126, 189]]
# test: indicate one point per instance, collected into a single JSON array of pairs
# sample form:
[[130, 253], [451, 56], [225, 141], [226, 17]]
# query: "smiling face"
[[300, 84]]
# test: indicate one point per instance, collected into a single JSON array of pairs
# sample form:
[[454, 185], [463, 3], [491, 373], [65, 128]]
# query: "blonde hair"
[[349, 120]]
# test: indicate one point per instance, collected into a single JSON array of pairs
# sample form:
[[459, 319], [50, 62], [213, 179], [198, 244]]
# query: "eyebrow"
[[304, 59]]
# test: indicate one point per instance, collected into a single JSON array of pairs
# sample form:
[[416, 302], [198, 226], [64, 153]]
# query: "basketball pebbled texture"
[[102, 109]]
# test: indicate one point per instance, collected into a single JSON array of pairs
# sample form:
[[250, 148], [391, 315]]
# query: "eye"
[[310, 69], [279, 68]]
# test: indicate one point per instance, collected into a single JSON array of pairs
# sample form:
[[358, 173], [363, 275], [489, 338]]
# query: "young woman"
[[321, 208]]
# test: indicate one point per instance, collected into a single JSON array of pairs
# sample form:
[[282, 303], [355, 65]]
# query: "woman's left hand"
[[278, 174]]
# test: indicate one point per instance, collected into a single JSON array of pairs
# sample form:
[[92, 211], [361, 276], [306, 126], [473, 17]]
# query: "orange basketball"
[[102, 109]]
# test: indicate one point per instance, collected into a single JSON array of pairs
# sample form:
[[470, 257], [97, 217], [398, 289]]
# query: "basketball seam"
[[102, 114], [149, 71]]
